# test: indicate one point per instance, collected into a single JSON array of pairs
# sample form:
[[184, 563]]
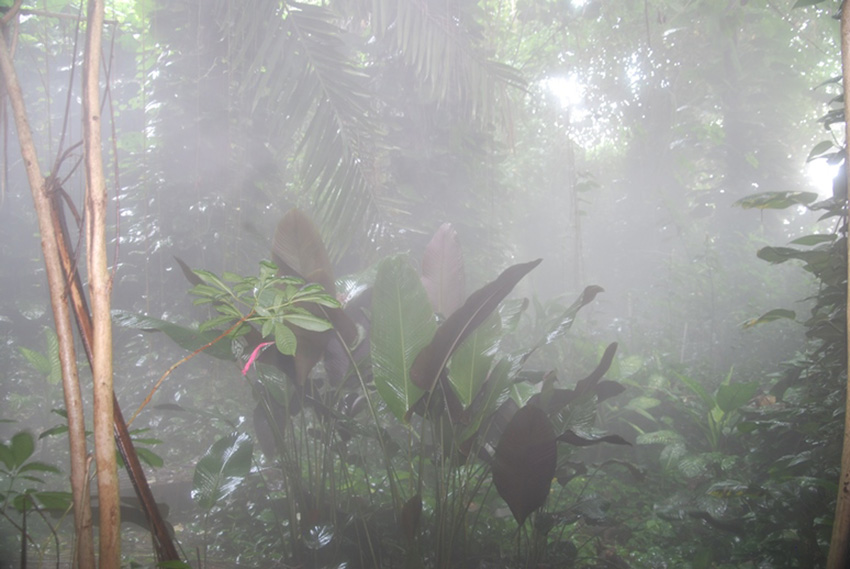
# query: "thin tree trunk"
[[84, 552], [100, 287], [839, 548]]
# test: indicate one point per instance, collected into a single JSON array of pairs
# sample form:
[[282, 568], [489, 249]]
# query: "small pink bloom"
[[254, 355]]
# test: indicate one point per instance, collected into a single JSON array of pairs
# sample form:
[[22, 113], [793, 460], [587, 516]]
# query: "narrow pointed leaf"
[[431, 361]]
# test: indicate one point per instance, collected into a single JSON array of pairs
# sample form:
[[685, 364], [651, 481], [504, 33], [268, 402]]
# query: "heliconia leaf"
[[411, 512], [566, 320], [298, 250], [443, 273], [589, 383], [431, 361], [471, 362], [222, 468], [572, 438], [524, 462], [402, 324], [770, 316], [488, 397]]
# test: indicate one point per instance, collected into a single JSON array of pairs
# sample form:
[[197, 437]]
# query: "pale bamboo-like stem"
[[839, 547], [100, 289], [84, 551]]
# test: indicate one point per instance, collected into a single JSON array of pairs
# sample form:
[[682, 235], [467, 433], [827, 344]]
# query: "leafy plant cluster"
[[387, 416]]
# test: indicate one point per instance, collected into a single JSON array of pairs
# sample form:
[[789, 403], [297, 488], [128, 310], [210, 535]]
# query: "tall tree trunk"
[[100, 287], [839, 549], [84, 550]]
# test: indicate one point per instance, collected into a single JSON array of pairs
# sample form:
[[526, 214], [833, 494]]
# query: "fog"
[[618, 142]]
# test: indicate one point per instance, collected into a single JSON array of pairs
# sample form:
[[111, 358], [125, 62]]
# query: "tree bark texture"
[[84, 550], [100, 287]]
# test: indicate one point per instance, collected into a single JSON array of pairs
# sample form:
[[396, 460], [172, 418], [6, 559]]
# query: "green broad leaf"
[[804, 3], [402, 325], [308, 322], [776, 200], [36, 466], [284, 339], [470, 364], [186, 338], [697, 389], [778, 255], [812, 240], [55, 501], [149, 457], [222, 469], [775, 314], [734, 396], [22, 446], [488, 398], [820, 148], [38, 361]]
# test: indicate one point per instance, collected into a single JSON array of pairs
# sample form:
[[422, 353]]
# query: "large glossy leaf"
[[402, 324], [524, 462], [470, 364], [431, 361], [187, 338], [222, 468], [298, 250], [443, 273]]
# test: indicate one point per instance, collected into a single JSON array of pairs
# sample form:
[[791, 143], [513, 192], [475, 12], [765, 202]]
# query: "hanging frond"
[[441, 42]]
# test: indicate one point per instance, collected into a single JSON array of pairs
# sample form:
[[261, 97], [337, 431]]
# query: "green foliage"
[[402, 324], [222, 468]]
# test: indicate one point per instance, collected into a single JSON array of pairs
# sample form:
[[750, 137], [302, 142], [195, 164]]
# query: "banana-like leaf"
[[470, 364], [443, 271], [222, 469], [402, 324], [429, 364], [524, 462], [733, 396]]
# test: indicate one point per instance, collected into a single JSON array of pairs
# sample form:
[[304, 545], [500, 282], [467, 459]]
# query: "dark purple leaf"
[[524, 462], [431, 361]]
